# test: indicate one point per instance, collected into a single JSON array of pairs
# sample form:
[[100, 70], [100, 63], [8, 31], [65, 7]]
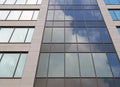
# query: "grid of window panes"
[[76, 50], [16, 35], [111, 2], [18, 14], [115, 14], [20, 1], [12, 64]]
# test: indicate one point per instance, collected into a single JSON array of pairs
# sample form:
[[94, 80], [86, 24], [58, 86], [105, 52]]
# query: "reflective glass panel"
[[50, 14], [31, 1], [72, 83], [3, 15], [101, 65], [8, 65], [29, 35], [10, 2], [40, 82], [84, 47], [71, 65], [14, 15], [71, 47], [2, 1], [43, 65], [20, 1], [89, 83], [20, 66], [26, 15], [35, 15], [6, 33], [56, 65], [59, 15], [19, 35]]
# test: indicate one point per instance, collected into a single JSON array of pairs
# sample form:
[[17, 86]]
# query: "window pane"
[[8, 65], [40, 82], [88, 83], [101, 65], [14, 15], [86, 65], [39, 2], [20, 66], [55, 83], [59, 15], [113, 15], [19, 35], [50, 14], [72, 83], [45, 48], [84, 47], [43, 65], [117, 13], [26, 15], [31, 1], [58, 35], [70, 35], [109, 48], [97, 48], [97, 14], [71, 64], [71, 48], [106, 82], [2, 1], [56, 65], [35, 16], [47, 35], [3, 14], [82, 35], [29, 35], [117, 82], [20, 1], [114, 63], [6, 33], [57, 47], [10, 2]]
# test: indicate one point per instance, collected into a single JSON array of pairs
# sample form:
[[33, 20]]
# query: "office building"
[[59, 43]]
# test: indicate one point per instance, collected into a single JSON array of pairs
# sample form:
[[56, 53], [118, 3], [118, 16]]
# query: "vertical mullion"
[[16, 65], [11, 35]]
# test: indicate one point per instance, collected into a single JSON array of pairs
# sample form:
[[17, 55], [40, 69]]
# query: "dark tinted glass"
[[40, 83], [57, 47], [84, 47], [71, 47], [88, 83], [72, 83]]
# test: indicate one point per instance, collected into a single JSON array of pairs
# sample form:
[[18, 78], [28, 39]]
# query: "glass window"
[[50, 14], [10, 2], [43, 65], [84, 47], [97, 14], [2, 1], [56, 65], [86, 65], [71, 47], [35, 15], [91, 15], [26, 15], [55, 83], [59, 15], [101, 65], [70, 35], [106, 82], [72, 83], [117, 82], [6, 33], [97, 48], [39, 2], [47, 35], [58, 35], [31, 1], [3, 15], [14, 15], [19, 35], [45, 48], [20, 2], [69, 15], [29, 35], [109, 48], [71, 65], [82, 35], [118, 30], [114, 63], [20, 66], [88, 83], [57, 47], [40, 82], [113, 15], [8, 65]]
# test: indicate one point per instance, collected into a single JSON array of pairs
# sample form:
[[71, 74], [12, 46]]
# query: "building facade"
[[59, 43]]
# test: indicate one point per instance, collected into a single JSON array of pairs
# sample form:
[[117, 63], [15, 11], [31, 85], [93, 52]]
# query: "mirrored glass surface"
[[97, 48], [71, 65], [31, 1], [86, 65], [43, 65], [2, 1], [14, 15], [10, 2], [29, 35], [26, 15], [20, 2], [84, 47], [117, 82], [19, 35], [40, 82], [89, 83], [6, 33], [58, 35], [8, 65], [20, 65], [3, 15], [72, 83], [35, 15], [45, 48], [101, 65], [57, 47], [56, 65], [59, 15], [71, 48]]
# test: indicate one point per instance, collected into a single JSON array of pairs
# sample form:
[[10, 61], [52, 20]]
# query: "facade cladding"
[[59, 43]]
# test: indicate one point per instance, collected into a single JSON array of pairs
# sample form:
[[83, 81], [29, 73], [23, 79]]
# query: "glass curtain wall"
[[76, 49]]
